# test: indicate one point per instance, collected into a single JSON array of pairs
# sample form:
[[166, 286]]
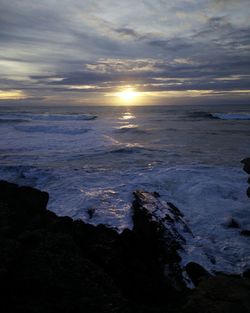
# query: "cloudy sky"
[[85, 51]]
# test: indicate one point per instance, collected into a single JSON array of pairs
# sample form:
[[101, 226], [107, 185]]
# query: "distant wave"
[[200, 115], [64, 117], [54, 129], [221, 116], [134, 150], [231, 116], [47, 117], [134, 129], [12, 120]]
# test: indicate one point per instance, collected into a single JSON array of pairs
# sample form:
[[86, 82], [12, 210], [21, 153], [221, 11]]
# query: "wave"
[[47, 117], [54, 129], [130, 129], [12, 120], [221, 116], [231, 116], [200, 114], [128, 150], [134, 149]]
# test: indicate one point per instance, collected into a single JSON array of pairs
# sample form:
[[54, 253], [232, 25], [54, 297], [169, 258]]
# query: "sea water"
[[93, 158]]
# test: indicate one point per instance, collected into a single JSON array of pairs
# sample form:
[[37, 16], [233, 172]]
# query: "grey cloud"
[[127, 32]]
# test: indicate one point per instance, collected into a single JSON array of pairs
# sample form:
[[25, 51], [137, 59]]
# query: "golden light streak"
[[12, 94]]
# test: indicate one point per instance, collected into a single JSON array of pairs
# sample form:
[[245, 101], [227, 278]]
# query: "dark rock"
[[43, 267], [232, 223], [246, 168], [246, 163], [220, 294], [196, 272], [245, 233], [32, 198], [246, 273], [164, 228], [91, 212], [54, 264], [248, 192]]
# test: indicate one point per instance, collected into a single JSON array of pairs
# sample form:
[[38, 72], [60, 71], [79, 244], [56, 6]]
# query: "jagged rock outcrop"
[[173, 234], [54, 264]]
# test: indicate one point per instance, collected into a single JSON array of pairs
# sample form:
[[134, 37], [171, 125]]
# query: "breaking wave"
[[231, 116], [52, 129], [46, 117]]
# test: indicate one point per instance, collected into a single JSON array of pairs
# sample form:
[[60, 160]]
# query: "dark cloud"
[[127, 32]]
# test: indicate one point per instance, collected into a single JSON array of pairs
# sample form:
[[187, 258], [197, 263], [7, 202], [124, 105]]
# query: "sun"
[[128, 94]]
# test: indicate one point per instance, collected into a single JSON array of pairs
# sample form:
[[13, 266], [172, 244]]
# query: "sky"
[[74, 52]]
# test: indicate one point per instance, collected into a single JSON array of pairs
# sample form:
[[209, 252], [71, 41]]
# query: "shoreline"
[[52, 264]]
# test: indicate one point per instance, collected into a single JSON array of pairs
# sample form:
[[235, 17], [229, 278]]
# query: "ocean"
[[92, 158]]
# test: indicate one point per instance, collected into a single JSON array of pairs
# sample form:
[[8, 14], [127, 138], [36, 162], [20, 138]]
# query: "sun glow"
[[128, 94]]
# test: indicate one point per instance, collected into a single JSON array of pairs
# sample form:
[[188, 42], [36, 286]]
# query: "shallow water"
[[94, 157]]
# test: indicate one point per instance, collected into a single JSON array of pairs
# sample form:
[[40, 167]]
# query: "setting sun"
[[128, 94]]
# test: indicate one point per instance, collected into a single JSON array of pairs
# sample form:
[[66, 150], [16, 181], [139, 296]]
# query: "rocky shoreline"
[[55, 264]]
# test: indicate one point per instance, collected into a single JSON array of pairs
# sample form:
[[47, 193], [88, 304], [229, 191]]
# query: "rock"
[[91, 212], [32, 198], [246, 168], [246, 273], [245, 233], [246, 163], [232, 223], [55, 264], [248, 192], [171, 230], [44, 265], [220, 294], [196, 272]]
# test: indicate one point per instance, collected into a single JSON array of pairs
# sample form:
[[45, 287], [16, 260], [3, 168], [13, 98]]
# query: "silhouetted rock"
[[245, 233], [246, 168], [246, 273], [55, 264], [220, 294], [246, 163], [196, 272], [42, 268], [231, 223], [248, 192]]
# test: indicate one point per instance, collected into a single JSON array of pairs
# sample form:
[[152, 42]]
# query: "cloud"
[[51, 48], [127, 32]]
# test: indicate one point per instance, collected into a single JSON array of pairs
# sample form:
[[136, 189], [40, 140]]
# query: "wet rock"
[[232, 223], [91, 212], [246, 168], [54, 264], [196, 272], [246, 163], [248, 192], [245, 233], [172, 233]]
